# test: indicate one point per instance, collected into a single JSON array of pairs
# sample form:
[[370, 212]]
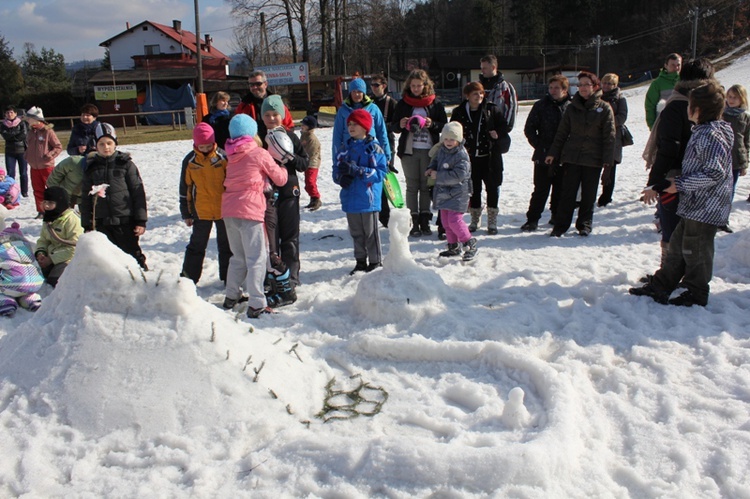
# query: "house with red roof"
[[151, 60]]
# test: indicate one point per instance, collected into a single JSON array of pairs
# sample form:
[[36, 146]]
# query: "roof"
[[462, 63], [183, 37]]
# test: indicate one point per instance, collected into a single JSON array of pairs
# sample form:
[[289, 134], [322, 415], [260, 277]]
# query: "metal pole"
[[696, 10], [598, 47], [198, 47]]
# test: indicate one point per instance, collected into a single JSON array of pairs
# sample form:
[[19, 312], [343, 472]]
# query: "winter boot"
[[454, 249], [649, 290], [492, 221], [415, 230], [424, 223], [360, 267], [470, 249], [373, 266], [476, 218], [282, 289], [315, 204]]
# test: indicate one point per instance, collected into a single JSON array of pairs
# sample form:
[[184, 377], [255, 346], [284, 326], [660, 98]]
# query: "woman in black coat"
[[619, 104], [485, 132]]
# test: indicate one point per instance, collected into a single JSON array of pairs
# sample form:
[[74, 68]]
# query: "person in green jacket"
[[68, 174], [661, 88], [60, 232]]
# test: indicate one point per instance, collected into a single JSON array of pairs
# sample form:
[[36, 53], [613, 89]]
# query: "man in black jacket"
[[540, 129]]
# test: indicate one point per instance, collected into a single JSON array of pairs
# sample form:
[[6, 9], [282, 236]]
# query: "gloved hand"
[[607, 175], [346, 180], [356, 170]]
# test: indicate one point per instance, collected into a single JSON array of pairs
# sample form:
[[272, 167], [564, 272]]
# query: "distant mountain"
[[72, 67]]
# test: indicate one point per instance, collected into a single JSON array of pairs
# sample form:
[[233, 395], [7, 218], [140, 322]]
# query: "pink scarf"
[[12, 124]]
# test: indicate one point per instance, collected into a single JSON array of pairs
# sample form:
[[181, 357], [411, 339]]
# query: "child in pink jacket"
[[250, 171], [44, 147]]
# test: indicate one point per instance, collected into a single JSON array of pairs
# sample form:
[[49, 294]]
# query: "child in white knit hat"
[[451, 169]]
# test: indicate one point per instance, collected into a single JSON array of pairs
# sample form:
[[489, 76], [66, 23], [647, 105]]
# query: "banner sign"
[[115, 92], [286, 74]]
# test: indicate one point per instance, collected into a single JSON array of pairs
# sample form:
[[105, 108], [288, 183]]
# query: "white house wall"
[[124, 47]]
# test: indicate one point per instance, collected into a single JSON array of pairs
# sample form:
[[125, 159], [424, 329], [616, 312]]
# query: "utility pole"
[[198, 47], [695, 14], [598, 41]]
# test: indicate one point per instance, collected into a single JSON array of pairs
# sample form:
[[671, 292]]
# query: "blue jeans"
[[23, 171]]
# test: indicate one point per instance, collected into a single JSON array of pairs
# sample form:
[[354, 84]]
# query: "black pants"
[[385, 210], [195, 252], [546, 177], [609, 189], [282, 228], [690, 259], [575, 176], [124, 238], [482, 173], [52, 273]]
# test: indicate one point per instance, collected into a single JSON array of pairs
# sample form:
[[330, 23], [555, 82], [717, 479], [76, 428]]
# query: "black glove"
[[346, 180]]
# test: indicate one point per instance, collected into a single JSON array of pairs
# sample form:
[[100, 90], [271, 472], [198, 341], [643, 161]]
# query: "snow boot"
[[492, 221], [254, 313], [360, 267], [282, 290], [373, 266], [649, 290], [424, 223], [454, 249], [476, 218], [315, 204], [415, 230], [470, 249]]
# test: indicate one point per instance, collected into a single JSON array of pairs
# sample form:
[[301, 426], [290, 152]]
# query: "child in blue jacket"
[[359, 168]]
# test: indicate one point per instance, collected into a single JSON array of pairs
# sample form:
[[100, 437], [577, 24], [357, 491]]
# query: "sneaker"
[[454, 249], [373, 266], [650, 291], [529, 227], [315, 204], [254, 313], [470, 249], [360, 267], [686, 299]]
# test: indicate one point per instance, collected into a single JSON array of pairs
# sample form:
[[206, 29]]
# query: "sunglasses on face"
[[256, 83], [375, 85]]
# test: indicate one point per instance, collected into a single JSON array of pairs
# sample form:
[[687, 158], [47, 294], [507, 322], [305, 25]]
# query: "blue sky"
[[75, 28]]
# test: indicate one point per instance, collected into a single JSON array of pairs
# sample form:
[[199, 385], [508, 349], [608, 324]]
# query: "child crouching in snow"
[[250, 171], [20, 278], [360, 167], [705, 188], [10, 192], [62, 228], [451, 169]]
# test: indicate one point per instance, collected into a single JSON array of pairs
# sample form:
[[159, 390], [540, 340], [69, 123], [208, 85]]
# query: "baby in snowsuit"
[[20, 278], [10, 193]]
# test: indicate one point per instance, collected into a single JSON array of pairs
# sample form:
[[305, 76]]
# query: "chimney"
[[208, 43], [177, 25]]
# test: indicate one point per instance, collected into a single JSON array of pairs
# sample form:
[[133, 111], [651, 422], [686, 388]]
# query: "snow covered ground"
[[527, 373]]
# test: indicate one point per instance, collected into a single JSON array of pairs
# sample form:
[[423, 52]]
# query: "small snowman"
[[515, 415]]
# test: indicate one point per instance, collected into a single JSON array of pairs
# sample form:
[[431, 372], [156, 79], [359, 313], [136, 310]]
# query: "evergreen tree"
[[44, 72], [11, 81]]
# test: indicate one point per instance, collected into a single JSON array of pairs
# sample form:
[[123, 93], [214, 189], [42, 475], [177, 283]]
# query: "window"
[[151, 50]]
